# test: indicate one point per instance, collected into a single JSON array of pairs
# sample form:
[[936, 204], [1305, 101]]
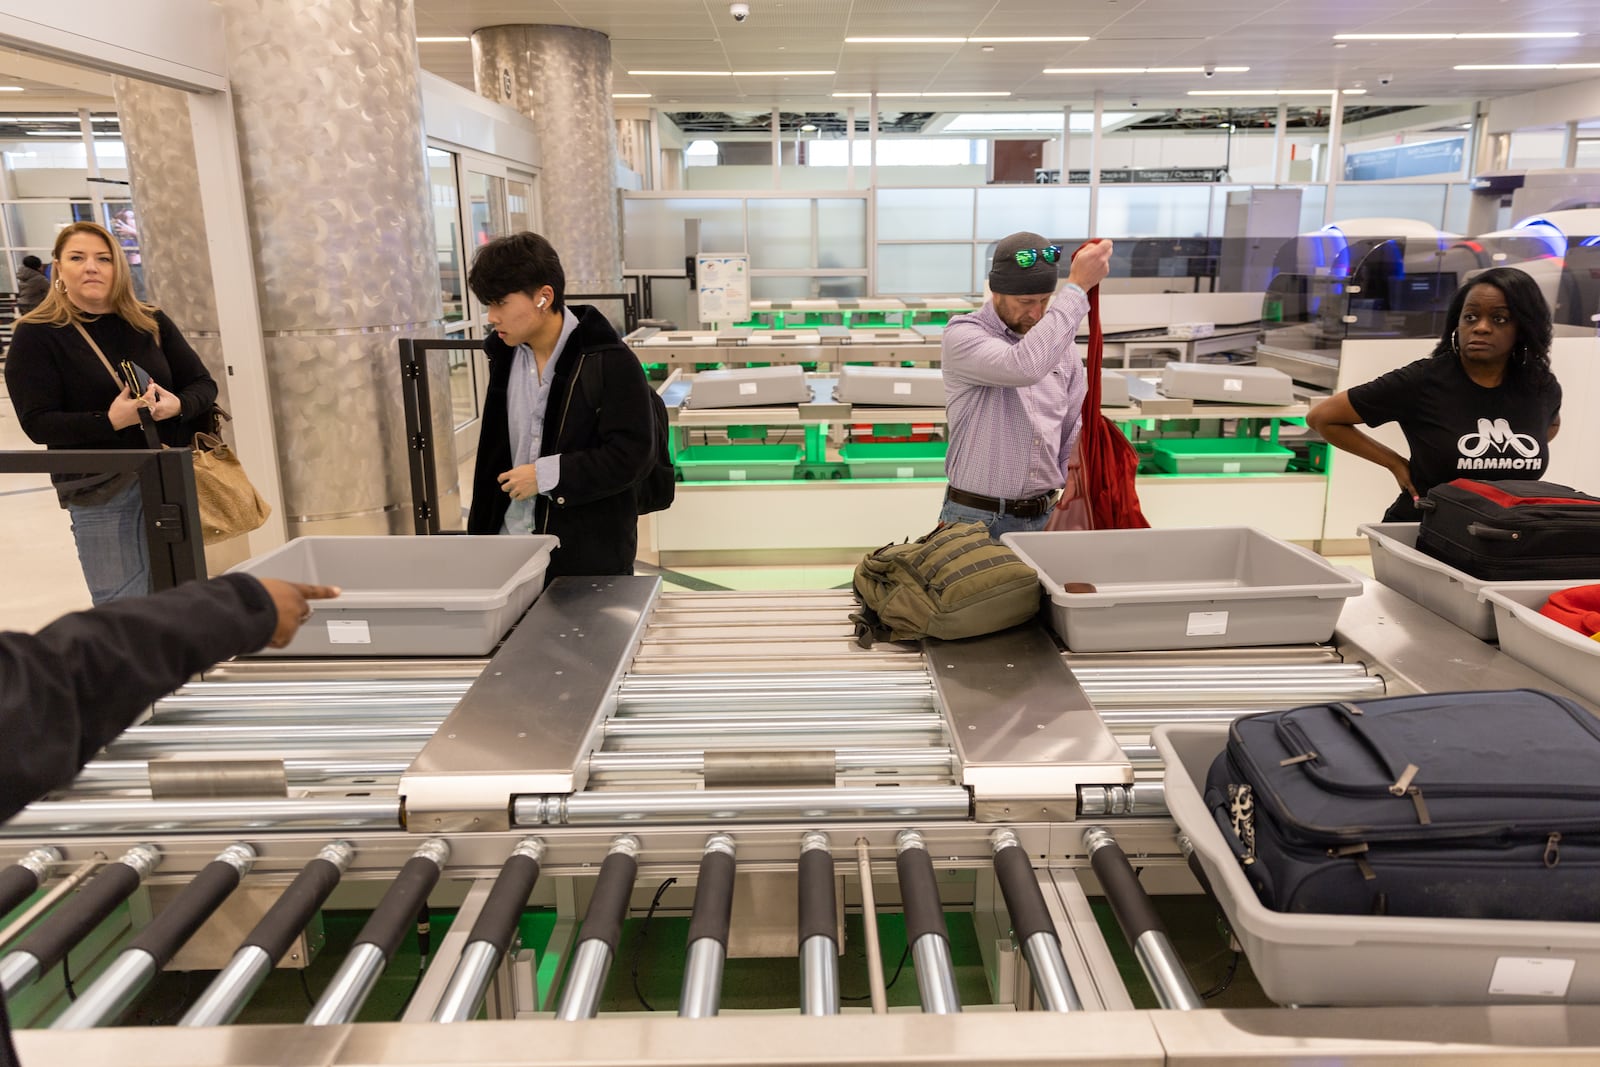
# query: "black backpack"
[[656, 490]]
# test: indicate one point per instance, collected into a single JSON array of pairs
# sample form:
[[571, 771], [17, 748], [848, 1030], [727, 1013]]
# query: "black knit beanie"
[[1006, 278]]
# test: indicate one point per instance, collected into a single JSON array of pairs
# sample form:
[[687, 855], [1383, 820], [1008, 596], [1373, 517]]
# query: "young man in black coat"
[[567, 421]]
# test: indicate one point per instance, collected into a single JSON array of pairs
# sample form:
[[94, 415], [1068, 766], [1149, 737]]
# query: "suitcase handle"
[[1492, 533]]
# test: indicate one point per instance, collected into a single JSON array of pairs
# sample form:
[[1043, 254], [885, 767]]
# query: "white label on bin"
[[1233, 385], [1231, 466], [1526, 977], [1206, 623], [747, 388], [905, 472], [902, 388], [348, 632], [736, 476]]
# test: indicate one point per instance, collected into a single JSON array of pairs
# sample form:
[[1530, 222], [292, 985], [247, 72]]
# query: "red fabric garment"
[[1577, 608], [1100, 492]]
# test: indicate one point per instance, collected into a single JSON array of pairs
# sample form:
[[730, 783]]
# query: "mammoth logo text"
[[1497, 435]]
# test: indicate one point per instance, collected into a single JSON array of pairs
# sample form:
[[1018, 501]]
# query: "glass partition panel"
[[1313, 201], [777, 288], [486, 195], [120, 220], [924, 215], [1425, 203], [519, 204], [35, 223], [652, 232], [780, 234], [842, 232], [1058, 212], [447, 248], [1154, 211], [925, 268]]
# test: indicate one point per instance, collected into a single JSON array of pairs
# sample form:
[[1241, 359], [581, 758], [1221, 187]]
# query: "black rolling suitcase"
[[1451, 805], [1512, 531]]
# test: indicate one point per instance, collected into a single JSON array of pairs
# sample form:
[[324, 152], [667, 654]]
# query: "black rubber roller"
[[609, 905], [819, 915], [920, 893], [713, 899], [289, 913], [497, 922], [1129, 902], [396, 913], [1024, 901], [17, 884], [72, 921], [179, 920]]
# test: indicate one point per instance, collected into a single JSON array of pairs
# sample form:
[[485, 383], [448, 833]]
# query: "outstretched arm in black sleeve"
[[79, 682]]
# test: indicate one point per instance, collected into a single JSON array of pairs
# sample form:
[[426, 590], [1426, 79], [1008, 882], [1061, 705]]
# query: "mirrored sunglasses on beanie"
[[1027, 257]]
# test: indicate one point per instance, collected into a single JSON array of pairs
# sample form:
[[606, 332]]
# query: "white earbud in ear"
[[542, 301]]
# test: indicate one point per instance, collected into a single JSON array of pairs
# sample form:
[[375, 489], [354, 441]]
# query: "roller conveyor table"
[[735, 742]]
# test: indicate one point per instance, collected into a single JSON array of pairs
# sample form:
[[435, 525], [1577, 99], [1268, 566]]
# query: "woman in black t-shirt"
[[1484, 405]]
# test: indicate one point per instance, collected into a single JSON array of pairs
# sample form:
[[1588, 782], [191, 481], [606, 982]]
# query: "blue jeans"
[[998, 524], [111, 546]]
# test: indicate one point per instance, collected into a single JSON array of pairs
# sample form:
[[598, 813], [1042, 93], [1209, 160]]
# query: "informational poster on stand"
[[724, 287]]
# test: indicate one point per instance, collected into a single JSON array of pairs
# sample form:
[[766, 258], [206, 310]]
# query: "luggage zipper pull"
[[1304, 757], [1403, 788], [1403, 783], [1552, 850], [1357, 853]]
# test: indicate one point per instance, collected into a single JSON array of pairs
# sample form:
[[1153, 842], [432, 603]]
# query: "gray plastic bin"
[[921, 387], [409, 596], [1227, 384], [1559, 652], [1451, 594], [1114, 390], [1219, 587], [748, 387], [1372, 959]]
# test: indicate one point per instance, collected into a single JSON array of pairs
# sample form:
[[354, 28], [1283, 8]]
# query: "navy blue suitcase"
[[1451, 805]]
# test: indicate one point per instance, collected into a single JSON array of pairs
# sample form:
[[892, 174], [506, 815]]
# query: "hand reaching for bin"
[[293, 601]]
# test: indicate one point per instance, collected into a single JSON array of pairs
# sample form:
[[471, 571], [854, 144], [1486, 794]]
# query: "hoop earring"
[[61, 286], [1455, 343]]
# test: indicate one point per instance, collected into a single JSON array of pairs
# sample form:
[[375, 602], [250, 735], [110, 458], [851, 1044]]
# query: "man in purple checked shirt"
[[1014, 386]]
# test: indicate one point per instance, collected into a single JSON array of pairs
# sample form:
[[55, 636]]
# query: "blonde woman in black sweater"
[[66, 397]]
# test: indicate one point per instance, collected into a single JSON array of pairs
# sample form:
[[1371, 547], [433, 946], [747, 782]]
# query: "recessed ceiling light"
[[1527, 66], [731, 73], [882, 96], [962, 40], [1144, 70], [1024, 40], [443, 40], [11, 89], [1275, 92], [1452, 36], [630, 96]]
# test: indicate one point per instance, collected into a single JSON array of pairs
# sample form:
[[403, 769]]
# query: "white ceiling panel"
[[1286, 43]]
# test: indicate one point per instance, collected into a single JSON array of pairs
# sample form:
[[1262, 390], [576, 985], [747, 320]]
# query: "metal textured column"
[[328, 107], [560, 77], [172, 229]]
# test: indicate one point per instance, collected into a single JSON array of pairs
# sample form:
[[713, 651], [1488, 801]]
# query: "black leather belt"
[[1031, 508]]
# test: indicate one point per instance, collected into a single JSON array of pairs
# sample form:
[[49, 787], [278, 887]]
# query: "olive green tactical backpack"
[[952, 583]]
